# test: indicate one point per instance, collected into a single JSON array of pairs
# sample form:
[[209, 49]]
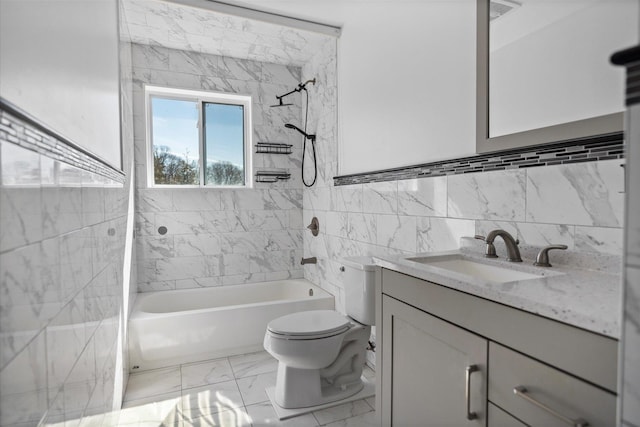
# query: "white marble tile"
[[253, 364], [23, 386], [199, 282], [580, 194], [496, 195], [154, 247], [243, 242], [362, 227], [599, 240], [380, 197], [184, 268], [264, 262], [283, 239], [224, 221], [545, 234], [153, 383], [253, 388], [341, 412], [423, 197], [154, 200], [181, 222], [263, 414], [164, 409], [397, 232], [151, 56], [336, 224], [21, 216], [236, 417], [210, 399], [65, 342], [235, 264], [210, 372], [365, 420], [442, 234], [201, 199], [197, 245], [266, 220]]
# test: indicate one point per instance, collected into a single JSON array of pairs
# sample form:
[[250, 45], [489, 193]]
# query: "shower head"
[[306, 135], [280, 103]]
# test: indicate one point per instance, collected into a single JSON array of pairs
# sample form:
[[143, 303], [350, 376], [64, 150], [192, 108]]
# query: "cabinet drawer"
[[561, 393], [498, 418]]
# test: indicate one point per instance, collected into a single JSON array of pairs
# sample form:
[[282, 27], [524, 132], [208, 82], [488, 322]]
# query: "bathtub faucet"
[[312, 260]]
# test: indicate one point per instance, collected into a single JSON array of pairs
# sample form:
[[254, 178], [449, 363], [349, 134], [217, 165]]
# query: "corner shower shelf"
[[273, 148], [272, 175]]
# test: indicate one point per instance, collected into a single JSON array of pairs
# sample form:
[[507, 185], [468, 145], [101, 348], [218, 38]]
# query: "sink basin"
[[462, 265]]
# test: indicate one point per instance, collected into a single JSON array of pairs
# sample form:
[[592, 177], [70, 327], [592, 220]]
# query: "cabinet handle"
[[467, 391], [521, 391]]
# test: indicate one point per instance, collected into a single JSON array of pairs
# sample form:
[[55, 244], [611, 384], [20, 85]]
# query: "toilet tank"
[[359, 282]]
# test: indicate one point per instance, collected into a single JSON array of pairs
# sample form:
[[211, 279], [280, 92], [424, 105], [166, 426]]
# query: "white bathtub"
[[173, 327]]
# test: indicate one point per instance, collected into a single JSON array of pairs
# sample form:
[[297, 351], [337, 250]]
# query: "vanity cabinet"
[[453, 359]]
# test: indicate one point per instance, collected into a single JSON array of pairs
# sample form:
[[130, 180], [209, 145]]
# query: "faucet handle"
[[480, 237], [542, 260]]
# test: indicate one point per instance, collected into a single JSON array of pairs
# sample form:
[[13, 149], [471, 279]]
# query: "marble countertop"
[[588, 299]]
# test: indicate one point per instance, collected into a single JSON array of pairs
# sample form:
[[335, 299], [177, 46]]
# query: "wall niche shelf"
[[273, 148], [272, 175]]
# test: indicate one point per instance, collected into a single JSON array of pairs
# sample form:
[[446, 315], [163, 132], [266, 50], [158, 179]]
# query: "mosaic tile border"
[[18, 127], [602, 147]]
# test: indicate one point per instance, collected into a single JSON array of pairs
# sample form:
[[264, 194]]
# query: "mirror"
[[543, 70]]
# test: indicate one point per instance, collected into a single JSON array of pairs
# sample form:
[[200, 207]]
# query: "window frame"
[[200, 97]]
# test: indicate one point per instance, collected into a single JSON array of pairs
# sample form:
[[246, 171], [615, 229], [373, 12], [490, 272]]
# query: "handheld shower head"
[[306, 135]]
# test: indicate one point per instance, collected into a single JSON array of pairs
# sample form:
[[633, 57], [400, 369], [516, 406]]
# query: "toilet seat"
[[313, 324]]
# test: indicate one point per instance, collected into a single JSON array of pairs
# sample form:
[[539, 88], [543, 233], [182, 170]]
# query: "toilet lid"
[[309, 323]]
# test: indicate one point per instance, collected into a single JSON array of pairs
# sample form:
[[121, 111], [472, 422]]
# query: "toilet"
[[321, 353]]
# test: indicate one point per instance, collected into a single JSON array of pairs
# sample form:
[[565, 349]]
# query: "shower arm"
[[301, 87]]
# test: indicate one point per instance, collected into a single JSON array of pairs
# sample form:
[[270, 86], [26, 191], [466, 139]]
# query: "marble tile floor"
[[226, 392]]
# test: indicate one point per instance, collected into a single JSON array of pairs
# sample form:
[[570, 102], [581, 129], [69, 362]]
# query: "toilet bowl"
[[321, 353]]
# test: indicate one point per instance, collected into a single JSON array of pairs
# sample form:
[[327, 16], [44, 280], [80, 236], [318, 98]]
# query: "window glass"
[[224, 144], [175, 141]]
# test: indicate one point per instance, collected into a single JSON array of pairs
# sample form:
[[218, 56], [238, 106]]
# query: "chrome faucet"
[[513, 253]]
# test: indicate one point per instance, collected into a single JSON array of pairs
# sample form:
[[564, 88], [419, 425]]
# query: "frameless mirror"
[[544, 73]]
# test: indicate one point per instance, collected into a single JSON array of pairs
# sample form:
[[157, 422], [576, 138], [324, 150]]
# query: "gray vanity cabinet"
[[436, 370], [449, 358]]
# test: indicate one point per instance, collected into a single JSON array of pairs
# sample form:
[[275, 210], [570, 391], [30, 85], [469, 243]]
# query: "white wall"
[[68, 82], [406, 78]]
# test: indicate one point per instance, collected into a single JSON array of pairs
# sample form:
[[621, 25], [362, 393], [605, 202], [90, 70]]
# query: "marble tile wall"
[[177, 26], [219, 236], [61, 272]]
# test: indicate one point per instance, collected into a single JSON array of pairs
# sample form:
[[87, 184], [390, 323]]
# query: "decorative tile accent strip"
[[603, 147], [17, 127]]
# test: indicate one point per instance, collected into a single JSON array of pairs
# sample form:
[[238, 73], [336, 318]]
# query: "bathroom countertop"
[[588, 299]]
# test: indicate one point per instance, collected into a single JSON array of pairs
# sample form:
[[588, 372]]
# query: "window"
[[198, 138]]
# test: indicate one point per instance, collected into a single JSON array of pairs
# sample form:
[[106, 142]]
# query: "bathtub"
[[181, 326]]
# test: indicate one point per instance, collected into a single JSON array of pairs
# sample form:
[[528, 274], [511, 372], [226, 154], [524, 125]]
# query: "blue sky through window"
[[224, 133], [175, 125]]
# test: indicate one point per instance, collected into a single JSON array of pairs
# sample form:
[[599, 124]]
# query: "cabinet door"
[[428, 376]]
